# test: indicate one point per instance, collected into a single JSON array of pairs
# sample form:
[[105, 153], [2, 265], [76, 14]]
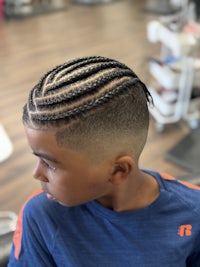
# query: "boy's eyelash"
[[46, 165]]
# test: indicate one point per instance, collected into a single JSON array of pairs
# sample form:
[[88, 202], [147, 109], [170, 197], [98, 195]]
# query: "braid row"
[[84, 73], [67, 68], [92, 87], [87, 106], [76, 87]]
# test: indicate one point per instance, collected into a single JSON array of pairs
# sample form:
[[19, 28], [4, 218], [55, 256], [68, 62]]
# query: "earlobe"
[[123, 167]]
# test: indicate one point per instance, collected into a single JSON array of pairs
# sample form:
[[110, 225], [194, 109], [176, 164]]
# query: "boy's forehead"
[[44, 145], [39, 133]]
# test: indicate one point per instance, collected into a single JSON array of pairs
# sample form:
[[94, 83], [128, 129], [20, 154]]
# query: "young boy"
[[86, 121]]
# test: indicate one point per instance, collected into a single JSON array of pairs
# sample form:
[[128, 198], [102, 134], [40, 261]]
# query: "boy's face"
[[66, 175]]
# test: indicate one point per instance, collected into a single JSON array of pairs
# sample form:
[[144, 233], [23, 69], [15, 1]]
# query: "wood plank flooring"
[[31, 46]]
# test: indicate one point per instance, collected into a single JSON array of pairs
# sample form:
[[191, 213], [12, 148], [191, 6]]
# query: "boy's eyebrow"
[[45, 156]]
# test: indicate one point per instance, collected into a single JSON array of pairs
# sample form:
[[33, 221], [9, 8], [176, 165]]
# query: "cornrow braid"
[[78, 87]]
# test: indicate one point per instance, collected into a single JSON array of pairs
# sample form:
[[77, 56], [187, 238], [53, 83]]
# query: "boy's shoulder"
[[181, 184], [35, 201], [38, 203], [180, 191], [185, 191]]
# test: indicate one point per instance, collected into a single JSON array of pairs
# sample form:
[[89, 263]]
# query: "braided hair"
[[91, 94]]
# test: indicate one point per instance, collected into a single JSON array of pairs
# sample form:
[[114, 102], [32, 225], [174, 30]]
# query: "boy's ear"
[[122, 168]]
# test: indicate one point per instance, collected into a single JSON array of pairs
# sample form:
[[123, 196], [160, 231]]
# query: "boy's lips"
[[49, 196]]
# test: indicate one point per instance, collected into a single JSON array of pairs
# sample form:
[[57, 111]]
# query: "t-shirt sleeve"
[[29, 247]]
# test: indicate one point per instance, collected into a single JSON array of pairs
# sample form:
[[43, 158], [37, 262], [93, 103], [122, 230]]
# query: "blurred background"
[[148, 36]]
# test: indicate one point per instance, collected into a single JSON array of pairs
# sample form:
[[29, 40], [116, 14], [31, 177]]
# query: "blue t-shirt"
[[163, 234]]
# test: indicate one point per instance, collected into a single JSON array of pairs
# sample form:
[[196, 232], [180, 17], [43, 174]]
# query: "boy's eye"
[[47, 166]]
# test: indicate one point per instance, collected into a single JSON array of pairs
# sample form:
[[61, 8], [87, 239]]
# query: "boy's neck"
[[136, 193]]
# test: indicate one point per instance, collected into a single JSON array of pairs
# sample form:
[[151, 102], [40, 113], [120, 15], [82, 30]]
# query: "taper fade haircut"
[[97, 105]]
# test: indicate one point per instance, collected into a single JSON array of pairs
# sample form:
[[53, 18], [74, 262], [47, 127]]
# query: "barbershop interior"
[[158, 39]]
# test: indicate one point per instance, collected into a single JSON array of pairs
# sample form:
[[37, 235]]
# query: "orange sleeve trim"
[[188, 184], [19, 227], [167, 176]]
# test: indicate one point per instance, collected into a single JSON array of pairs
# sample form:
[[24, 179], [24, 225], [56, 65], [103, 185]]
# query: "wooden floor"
[[31, 46]]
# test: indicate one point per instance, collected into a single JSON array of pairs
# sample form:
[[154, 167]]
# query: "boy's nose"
[[38, 174]]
